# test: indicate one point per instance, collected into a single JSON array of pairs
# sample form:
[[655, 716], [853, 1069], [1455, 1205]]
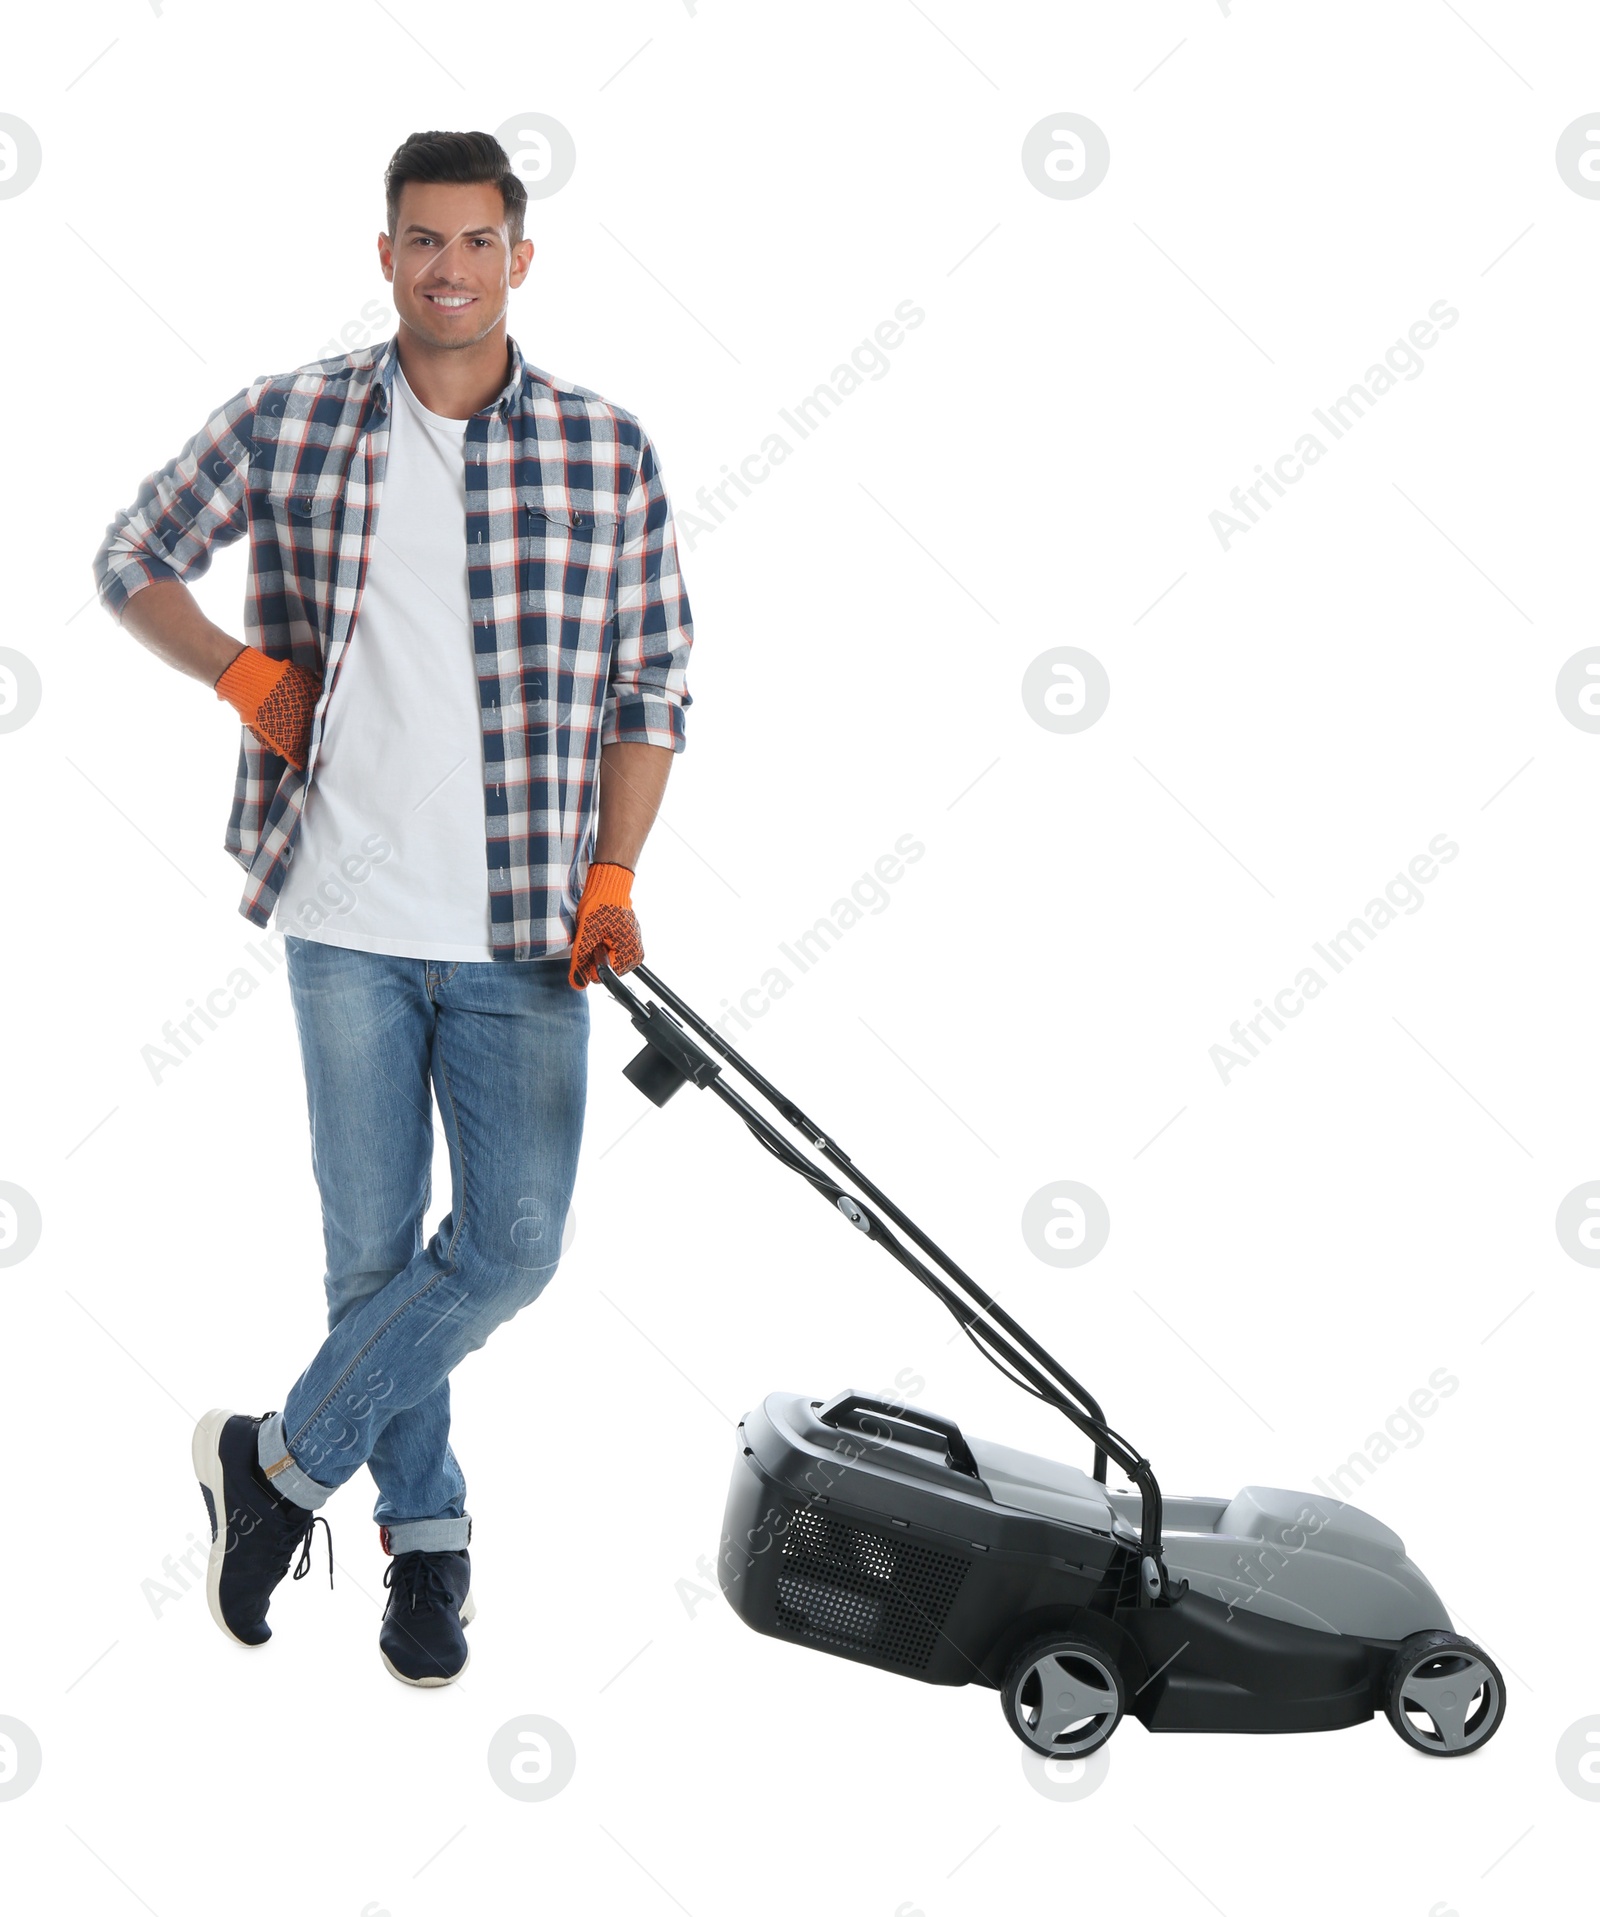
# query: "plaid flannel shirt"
[[580, 622]]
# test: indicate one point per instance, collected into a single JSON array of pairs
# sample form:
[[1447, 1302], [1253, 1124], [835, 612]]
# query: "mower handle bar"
[[671, 1058]]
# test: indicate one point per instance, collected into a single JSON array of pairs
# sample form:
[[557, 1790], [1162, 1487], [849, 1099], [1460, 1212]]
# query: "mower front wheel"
[[1445, 1696], [1063, 1696]]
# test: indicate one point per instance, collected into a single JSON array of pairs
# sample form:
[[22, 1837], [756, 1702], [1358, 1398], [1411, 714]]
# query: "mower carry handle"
[[958, 1452]]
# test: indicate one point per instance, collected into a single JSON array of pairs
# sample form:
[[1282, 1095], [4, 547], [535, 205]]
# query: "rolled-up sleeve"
[[194, 504], [648, 692]]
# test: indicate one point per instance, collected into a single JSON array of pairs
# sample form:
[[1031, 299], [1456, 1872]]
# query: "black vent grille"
[[884, 1597]]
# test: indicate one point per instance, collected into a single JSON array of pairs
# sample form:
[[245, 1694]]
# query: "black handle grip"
[[846, 1403]]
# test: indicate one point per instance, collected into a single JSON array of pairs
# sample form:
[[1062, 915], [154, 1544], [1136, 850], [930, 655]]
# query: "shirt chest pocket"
[[564, 533], [544, 514], [566, 594], [305, 507], [566, 563]]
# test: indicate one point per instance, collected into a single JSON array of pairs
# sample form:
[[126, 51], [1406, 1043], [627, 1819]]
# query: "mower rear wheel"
[[1063, 1696], [1445, 1697]]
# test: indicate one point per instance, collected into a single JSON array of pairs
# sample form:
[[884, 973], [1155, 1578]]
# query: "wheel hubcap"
[[1456, 1694], [1064, 1700]]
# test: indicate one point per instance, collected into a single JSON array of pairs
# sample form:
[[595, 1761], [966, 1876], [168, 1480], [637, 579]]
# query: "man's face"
[[451, 262]]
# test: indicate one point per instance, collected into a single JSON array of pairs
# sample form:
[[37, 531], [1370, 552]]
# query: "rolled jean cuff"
[[426, 1534], [280, 1469]]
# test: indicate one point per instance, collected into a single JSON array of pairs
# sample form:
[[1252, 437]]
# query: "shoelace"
[[419, 1576], [303, 1536]]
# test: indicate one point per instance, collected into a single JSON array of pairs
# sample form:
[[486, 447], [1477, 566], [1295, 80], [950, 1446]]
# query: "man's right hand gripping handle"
[[275, 699]]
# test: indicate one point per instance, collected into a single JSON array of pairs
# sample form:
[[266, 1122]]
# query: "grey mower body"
[[865, 1530], [1292, 1555]]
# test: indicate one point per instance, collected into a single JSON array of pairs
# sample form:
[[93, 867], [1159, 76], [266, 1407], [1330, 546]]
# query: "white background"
[[1374, 1197]]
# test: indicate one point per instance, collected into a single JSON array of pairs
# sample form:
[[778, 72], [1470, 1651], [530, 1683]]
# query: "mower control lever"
[[670, 1057]]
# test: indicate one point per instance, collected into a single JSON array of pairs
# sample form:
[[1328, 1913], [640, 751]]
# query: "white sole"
[[469, 1611], [208, 1469]]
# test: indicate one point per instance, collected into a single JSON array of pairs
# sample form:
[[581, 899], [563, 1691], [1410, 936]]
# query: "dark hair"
[[461, 159]]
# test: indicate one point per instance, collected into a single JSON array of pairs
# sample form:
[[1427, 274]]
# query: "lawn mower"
[[879, 1531]]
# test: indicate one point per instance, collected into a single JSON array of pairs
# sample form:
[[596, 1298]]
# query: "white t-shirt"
[[391, 854]]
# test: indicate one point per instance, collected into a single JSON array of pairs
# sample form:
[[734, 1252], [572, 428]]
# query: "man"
[[462, 685]]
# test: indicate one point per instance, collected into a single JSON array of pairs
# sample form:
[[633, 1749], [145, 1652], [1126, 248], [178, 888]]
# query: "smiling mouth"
[[450, 302]]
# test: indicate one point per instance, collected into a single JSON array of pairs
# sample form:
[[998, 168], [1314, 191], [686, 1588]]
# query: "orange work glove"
[[275, 699], [606, 926]]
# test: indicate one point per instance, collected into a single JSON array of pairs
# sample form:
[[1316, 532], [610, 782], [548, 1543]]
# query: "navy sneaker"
[[430, 1599], [255, 1531]]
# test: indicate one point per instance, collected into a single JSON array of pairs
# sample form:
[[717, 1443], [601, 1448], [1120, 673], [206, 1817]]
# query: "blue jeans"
[[506, 1048]]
